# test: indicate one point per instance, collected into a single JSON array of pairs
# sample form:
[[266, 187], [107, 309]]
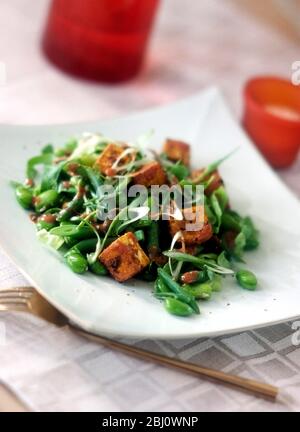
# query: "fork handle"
[[252, 386]]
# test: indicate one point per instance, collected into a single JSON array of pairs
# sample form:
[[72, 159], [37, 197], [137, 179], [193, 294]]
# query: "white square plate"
[[100, 304]]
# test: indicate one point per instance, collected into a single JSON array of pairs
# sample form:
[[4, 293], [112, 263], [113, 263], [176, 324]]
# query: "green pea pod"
[[201, 291], [160, 287], [216, 283], [177, 307], [98, 268], [176, 288], [46, 200], [76, 261], [246, 279], [24, 197]]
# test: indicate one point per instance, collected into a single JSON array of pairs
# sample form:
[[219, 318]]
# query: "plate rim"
[[214, 91]]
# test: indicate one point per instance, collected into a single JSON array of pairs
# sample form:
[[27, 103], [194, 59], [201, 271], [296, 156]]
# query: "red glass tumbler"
[[103, 40]]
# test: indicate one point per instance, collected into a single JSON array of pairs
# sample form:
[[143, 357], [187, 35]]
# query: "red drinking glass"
[[103, 40], [272, 118]]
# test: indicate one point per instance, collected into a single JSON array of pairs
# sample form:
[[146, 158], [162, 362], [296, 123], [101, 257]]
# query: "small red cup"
[[102, 40], [272, 118]]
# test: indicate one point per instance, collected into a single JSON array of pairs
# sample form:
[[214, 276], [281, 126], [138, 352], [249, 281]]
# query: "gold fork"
[[27, 299]]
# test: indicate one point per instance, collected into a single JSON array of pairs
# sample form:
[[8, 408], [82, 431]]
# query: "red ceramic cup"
[[272, 118], [99, 39]]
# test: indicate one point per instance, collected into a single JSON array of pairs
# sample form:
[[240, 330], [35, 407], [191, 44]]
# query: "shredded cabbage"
[[87, 144], [51, 240]]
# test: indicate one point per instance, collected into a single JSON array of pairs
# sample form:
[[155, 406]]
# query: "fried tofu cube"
[[215, 180], [177, 151], [195, 226], [150, 174], [108, 157], [124, 258]]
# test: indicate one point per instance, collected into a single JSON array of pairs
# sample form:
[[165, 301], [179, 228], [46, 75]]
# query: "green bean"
[[176, 288], [73, 206], [24, 196], [86, 246], [76, 232], [98, 268], [76, 261], [177, 307], [46, 200], [246, 279]]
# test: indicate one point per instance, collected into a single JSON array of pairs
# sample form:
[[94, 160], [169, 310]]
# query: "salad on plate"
[[121, 210]]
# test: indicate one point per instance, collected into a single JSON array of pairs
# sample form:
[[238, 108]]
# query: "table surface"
[[204, 43]]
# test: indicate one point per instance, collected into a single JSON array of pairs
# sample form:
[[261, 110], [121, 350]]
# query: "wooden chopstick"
[[252, 386]]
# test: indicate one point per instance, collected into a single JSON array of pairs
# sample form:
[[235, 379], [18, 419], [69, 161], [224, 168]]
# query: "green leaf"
[[215, 165], [239, 245], [48, 149], [51, 176], [251, 234], [179, 170], [214, 202], [231, 221], [198, 262], [67, 230], [90, 176], [43, 159], [222, 197], [223, 261]]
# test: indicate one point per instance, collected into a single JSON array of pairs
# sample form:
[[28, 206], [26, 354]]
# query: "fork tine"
[[16, 297], [20, 289], [13, 307], [13, 300]]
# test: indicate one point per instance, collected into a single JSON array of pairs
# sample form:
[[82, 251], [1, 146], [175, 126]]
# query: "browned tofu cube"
[[177, 151], [215, 180], [124, 258], [192, 216], [150, 174], [108, 157]]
